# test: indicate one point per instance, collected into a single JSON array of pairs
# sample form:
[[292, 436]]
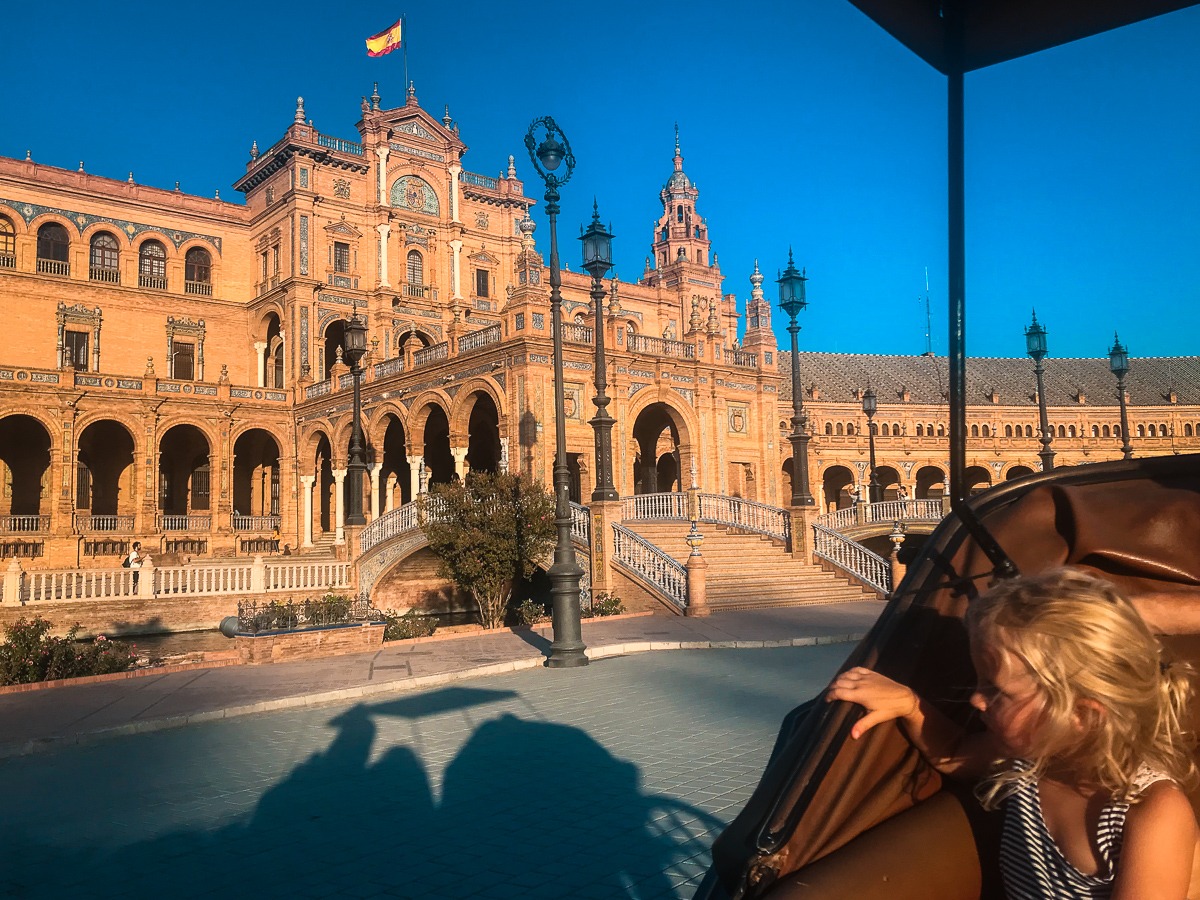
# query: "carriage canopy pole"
[[957, 258]]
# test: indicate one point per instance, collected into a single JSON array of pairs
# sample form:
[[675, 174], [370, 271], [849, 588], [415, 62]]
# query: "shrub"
[[30, 653], [410, 625], [606, 604], [332, 609], [530, 612], [275, 616]]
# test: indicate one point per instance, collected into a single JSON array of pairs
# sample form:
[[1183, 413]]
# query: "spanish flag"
[[386, 41]]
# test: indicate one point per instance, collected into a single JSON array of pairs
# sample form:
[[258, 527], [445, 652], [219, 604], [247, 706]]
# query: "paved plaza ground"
[[608, 781]]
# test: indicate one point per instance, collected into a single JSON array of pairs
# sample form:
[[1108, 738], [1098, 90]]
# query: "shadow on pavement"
[[527, 809]]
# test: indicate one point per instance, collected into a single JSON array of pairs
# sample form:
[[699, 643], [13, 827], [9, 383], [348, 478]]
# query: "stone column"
[[382, 153], [12, 584], [339, 503], [460, 461], [260, 349], [306, 487], [389, 492], [603, 513], [456, 270], [801, 524], [414, 473], [383, 254], [697, 576], [374, 473], [454, 171]]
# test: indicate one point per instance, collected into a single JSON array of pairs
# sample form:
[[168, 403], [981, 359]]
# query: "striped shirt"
[[1030, 861]]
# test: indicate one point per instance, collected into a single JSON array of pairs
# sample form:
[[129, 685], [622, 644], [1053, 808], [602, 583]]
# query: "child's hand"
[[883, 698]]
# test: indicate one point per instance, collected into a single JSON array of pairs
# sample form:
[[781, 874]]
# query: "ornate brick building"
[[172, 368]]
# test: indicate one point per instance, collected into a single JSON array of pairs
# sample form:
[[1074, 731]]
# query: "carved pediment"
[[484, 257], [343, 229]]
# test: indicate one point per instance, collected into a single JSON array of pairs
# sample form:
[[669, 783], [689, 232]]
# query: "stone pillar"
[[306, 487], [454, 171], [697, 576], [389, 492], [383, 254], [260, 350], [339, 503], [414, 474], [12, 584], [382, 153], [801, 523], [603, 513], [146, 578], [258, 575], [460, 461], [456, 270], [374, 473]]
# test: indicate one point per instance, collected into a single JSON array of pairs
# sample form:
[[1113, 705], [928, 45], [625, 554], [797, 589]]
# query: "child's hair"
[[1112, 701]]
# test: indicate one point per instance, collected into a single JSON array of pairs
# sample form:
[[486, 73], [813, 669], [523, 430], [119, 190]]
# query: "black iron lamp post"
[[567, 648], [1118, 363], [874, 492], [356, 346], [792, 301], [1035, 346], [597, 260]]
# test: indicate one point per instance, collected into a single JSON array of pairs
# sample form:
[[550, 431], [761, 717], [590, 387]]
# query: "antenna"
[[928, 327]]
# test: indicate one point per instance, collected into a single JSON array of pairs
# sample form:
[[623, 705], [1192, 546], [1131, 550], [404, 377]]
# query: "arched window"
[[1105, 431], [920, 430], [1095, 431], [1008, 431], [1116, 431], [197, 272], [1187, 429], [1028, 431], [1070, 431], [885, 430], [8, 243], [987, 432], [679, 213], [152, 265], [849, 428], [1062, 431], [53, 248], [839, 428], [829, 428], [941, 430], [414, 269], [974, 431], [1141, 431], [1162, 430], [663, 236], [104, 257]]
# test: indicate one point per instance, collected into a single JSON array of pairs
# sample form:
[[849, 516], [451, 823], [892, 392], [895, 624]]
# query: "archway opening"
[[837, 486], [657, 436], [395, 482], [332, 346], [439, 461], [184, 476], [24, 466], [483, 435], [931, 483], [323, 468], [978, 479], [1018, 472], [255, 474], [104, 483], [889, 482]]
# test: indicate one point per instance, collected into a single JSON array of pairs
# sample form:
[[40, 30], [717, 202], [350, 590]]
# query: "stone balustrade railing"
[[653, 565], [641, 343], [852, 558]]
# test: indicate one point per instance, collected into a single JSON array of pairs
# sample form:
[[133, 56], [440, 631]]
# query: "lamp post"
[[1118, 363], [1035, 346], [874, 494], [597, 260], [566, 650], [792, 301], [356, 346]]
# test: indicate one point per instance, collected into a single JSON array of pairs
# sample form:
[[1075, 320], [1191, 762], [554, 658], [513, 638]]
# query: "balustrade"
[[389, 367], [320, 389], [748, 515], [24, 524], [852, 558], [431, 354], [480, 338], [581, 524], [184, 523], [574, 333], [104, 523], [641, 343], [654, 506], [637, 554], [53, 267], [254, 523], [742, 358]]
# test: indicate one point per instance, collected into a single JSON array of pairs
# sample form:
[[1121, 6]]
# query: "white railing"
[[23, 524], [743, 358], [389, 367], [641, 343], [839, 519], [346, 381], [480, 338], [654, 566], [254, 523], [103, 523], [308, 576], [748, 515], [105, 274], [581, 524], [400, 520], [184, 523], [76, 584], [891, 510], [320, 389], [154, 282], [203, 579], [7, 261], [53, 267], [654, 506], [852, 558], [574, 333], [431, 354]]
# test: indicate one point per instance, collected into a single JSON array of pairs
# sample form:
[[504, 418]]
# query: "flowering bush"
[[410, 625], [530, 612], [606, 604], [30, 653]]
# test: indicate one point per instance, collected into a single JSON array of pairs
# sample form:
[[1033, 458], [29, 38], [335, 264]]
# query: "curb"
[[420, 682]]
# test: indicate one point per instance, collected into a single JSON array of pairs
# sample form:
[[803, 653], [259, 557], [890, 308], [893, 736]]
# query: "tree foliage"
[[488, 533]]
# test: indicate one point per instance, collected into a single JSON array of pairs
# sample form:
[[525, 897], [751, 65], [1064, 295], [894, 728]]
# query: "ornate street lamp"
[[356, 347], [1118, 363], [874, 492], [792, 301], [566, 650], [597, 260], [1035, 346]]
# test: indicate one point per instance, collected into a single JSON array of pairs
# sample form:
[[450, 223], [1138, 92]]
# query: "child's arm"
[[1159, 844], [947, 748]]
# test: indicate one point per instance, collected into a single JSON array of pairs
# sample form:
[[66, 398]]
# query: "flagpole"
[[404, 47]]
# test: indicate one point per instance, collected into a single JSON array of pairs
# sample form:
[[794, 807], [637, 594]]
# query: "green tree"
[[488, 533]]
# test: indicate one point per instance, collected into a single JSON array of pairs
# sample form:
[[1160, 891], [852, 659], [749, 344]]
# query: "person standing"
[[134, 561]]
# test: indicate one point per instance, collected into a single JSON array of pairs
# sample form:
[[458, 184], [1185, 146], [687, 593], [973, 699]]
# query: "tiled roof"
[[838, 375]]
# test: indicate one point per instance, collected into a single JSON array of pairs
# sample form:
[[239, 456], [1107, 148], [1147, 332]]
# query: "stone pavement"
[[40, 719], [608, 781]]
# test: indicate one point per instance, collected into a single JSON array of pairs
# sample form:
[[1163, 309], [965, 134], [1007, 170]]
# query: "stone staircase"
[[751, 571]]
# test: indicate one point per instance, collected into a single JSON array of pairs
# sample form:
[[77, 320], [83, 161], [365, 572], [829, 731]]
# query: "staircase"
[[751, 571], [322, 547]]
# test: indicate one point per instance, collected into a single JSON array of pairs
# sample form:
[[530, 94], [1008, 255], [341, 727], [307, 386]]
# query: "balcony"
[[431, 354], [153, 282], [574, 333], [640, 343], [24, 524], [243, 524], [184, 523], [53, 267], [105, 274], [419, 291], [389, 367], [320, 389], [743, 359], [204, 288], [8, 261], [122, 524], [480, 338]]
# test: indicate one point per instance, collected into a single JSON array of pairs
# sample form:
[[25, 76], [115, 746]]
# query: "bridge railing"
[[581, 524], [886, 511], [669, 505], [852, 558], [656, 567], [748, 515]]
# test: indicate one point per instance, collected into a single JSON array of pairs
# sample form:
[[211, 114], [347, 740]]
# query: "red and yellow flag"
[[386, 41]]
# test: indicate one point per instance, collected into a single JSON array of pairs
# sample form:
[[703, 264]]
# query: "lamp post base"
[[567, 648]]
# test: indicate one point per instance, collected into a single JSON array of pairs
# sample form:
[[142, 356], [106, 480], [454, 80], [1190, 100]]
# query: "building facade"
[[172, 370]]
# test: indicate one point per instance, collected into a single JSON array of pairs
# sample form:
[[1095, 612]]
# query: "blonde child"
[[1085, 744]]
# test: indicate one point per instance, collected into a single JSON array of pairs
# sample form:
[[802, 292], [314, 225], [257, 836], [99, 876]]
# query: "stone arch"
[[395, 474], [659, 427], [977, 479], [321, 453], [889, 482], [435, 445], [930, 483], [26, 446], [483, 434], [1017, 471], [331, 344], [837, 487], [256, 473], [464, 402], [105, 483], [184, 470]]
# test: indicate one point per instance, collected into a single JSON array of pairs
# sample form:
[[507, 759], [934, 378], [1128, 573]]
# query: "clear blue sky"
[[802, 123]]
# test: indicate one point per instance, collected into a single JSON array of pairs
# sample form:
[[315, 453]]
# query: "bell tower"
[[681, 235]]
